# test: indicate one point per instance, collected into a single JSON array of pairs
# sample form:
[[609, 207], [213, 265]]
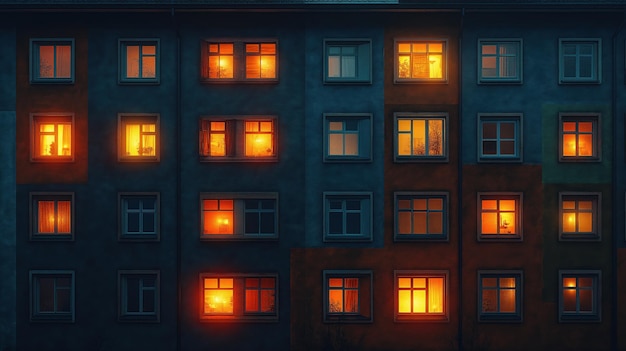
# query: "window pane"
[[148, 67], [148, 222], [569, 145], [586, 300], [569, 300], [132, 61], [489, 300], [335, 300], [46, 218], [435, 295], [419, 223], [46, 61], [404, 223], [489, 223], [353, 223], [507, 130], [46, 294], [252, 223], [348, 66], [335, 223], [404, 301], [267, 223], [490, 148], [435, 223], [507, 148], [148, 301], [252, 300], [132, 224], [490, 130], [507, 300], [64, 61], [585, 145], [585, 224], [268, 301], [132, 294], [352, 144], [63, 300]]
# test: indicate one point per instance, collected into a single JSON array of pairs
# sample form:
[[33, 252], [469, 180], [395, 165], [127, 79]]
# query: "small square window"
[[500, 60], [52, 216], [580, 216], [52, 296], [139, 216], [348, 137], [500, 137], [239, 216], [245, 138], [347, 216], [348, 296], [347, 61], [139, 296], [139, 137], [421, 296], [52, 137], [421, 61], [52, 61], [420, 137], [139, 61], [500, 296], [579, 296], [579, 61], [240, 61], [500, 216], [579, 137], [239, 297], [421, 216]]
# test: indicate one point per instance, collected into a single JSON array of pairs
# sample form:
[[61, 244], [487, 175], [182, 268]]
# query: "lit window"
[[500, 216], [421, 60], [579, 61], [52, 137], [52, 216], [239, 216], [421, 216], [139, 216], [139, 296], [579, 293], [500, 60], [499, 296], [348, 137], [139, 60], [579, 137], [347, 61], [500, 137], [52, 61], [347, 296], [138, 135], [239, 296], [579, 216], [240, 61], [347, 216], [420, 137], [238, 139], [421, 295], [52, 296]]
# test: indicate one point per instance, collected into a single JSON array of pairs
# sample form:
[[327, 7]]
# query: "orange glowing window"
[[138, 137], [347, 295], [420, 137], [259, 138], [237, 138], [217, 216], [343, 295], [239, 61], [239, 215], [52, 61], [218, 296], [52, 216], [500, 216], [421, 216], [260, 295], [260, 60], [579, 295], [421, 60], [213, 138], [139, 60], [52, 137], [421, 295], [500, 295], [242, 296], [579, 138], [579, 214], [220, 61]]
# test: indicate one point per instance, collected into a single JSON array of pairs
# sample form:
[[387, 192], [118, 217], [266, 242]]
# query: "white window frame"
[[139, 316], [35, 197], [122, 46], [577, 117], [138, 118], [365, 288], [54, 118], [519, 217], [422, 317], [124, 234], [498, 118], [421, 116], [35, 295], [595, 315], [365, 213], [443, 79], [596, 213], [363, 124], [595, 57], [239, 60], [362, 57], [498, 316], [397, 196], [498, 79], [34, 45]]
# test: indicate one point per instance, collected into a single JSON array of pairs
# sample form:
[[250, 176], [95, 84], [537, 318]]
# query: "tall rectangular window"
[[579, 296], [347, 61], [260, 60], [52, 216], [238, 138], [420, 137], [500, 296], [580, 216], [579, 137], [348, 137], [347, 216], [139, 216], [52, 137], [421, 295], [421, 60], [139, 296], [52, 296], [500, 216], [580, 61], [421, 216], [347, 296], [138, 137], [500, 137], [242, 61], [139, 61], [52, 60], [500, 60]]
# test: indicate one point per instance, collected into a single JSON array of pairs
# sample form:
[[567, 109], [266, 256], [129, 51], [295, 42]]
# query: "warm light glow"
[[218, 295], [343, 295], [140, 61], [578, 139], [55, 61], [53, 139], [577, 216], [260, 295], [420, 216], [420, 60], [260, 60], [498, 216], [221, 61], [420, 137], [421, 295], [259, 138], [140, 139], [54, 217], [218, 216]]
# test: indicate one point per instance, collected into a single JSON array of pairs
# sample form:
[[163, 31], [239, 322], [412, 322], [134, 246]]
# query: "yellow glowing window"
[[260, 295], [217, 216], [140, 60], [213, 137], [52, 137], [52, 60], [421, 295], [499, 294], [259, 138], [260, 60], [221, 61], [579, 296], [139, 139], [579, 216], [499, 216], [54, 217], [420, 60], [420, 215], [218, 296], [343, 295], [578, 139], [420, 137]]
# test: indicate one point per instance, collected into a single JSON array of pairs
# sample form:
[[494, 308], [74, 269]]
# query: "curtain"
[[351, 290], [46, 216], [63, 61], [435, 295]]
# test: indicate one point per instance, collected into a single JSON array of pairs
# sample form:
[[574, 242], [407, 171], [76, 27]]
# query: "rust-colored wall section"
[[45, 98]]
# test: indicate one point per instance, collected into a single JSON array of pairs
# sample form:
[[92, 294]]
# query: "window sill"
[[419, 237], [501, 238], [416, 159], [230, 237], [422, 318], [52, 237], [579, 237], [238, 319], [227, 159]]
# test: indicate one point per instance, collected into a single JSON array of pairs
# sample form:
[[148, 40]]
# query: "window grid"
[[421, 61], [347, 296], [500, 216], [52, 296], [139, 216], [579, 216], [420, 137], [579, 60], [500, 61], [52, 216], [260, 296], [52, 137], [139, 60], [500, 138], [579, 137], [500, 295], [139, 295], [421, 295], [421, 216], [238, 139], [347, 61], [579, 296], [348, 137], [240, 61], [139, 137], [52, 61]]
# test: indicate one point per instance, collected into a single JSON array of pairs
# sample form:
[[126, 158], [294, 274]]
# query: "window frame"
[[364, 132], [365, 282], [124, 119], [35, 296], [519, 217], [55, 118], [421, 116], [239, 61], [366, 221], [239, 313], [444, 54], [123, 314], [123, 235], [573, 317], [596, 66], [596, 212], [517, 119], [518, 79], [497, 316], [363, 58], [444, 196], [442, 317], [34, 65], [239, 210], [34, 197], [594, 118], [123, 44]]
